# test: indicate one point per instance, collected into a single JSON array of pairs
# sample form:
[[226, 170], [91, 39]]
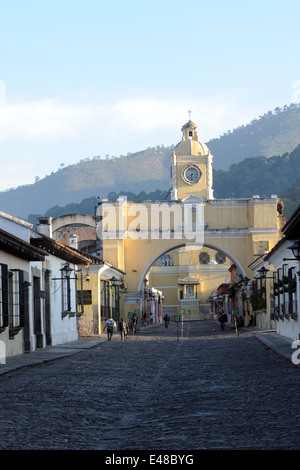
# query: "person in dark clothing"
[[123, 328], [166, 320], [222, 319]]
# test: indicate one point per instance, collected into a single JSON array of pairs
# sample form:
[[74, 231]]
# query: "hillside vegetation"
[[146, 170], [274, 133], [257, 158], [258, 175]]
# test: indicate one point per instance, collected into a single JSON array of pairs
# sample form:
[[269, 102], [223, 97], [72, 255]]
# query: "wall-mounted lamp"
[[263, 272], [66, 271], [295, 248], [114, 281]]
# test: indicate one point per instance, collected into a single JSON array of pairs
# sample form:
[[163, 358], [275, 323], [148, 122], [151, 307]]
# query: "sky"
[[83, 78]]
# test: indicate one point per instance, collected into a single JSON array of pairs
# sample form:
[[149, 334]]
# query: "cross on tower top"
[[190, 112]]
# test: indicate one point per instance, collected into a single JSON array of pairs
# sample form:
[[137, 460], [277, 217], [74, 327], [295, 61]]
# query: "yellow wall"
[[186, 263], [185, 190], [240, 228]]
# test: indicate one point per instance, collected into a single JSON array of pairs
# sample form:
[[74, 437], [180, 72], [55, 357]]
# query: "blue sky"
[[85, 78]]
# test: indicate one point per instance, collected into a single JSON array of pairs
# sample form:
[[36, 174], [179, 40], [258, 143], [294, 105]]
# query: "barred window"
[[291, 288], [86, 296], [15, 298], [66, 295]]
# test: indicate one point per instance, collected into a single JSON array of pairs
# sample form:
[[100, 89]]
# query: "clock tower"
[[191, 166]]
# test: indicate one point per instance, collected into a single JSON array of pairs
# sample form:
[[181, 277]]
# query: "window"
[[203, 258], [291, 288], [16, 298], [86, 297], [12, 299], [220, 258], [105, 304], [66, 290], [284, 292], [3, 296], [66, 295]]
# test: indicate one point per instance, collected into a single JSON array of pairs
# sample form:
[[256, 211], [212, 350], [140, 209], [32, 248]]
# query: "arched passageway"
[[240, 268]]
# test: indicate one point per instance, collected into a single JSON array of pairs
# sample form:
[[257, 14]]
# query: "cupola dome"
[[190, 144]]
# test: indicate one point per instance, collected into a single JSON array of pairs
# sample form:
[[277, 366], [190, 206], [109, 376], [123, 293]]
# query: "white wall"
[[287, 327], [64, 329], [13, 346]]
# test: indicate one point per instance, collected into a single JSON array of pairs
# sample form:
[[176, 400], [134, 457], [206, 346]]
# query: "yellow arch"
[[179, 245]]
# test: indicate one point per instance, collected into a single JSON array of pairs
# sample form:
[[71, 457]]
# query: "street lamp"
[[263, 272], [66, 271], [295, 248]]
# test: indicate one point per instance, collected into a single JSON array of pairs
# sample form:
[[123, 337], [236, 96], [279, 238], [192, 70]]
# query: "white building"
[[276, 283], [38, 288], [285, 290], [16, 255], [56, 277]]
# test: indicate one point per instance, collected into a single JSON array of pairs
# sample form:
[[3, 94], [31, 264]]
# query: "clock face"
[[191, 174]]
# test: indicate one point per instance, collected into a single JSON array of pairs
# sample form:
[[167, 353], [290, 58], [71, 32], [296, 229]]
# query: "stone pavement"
[[204, 389], [51, 353], [280, 345]]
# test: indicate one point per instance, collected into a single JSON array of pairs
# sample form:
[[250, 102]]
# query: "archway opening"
[[188, 276]]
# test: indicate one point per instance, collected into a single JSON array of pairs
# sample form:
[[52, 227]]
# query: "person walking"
[[166, 320], [222, 319], [134, 324], [123, 328], [110, 325]]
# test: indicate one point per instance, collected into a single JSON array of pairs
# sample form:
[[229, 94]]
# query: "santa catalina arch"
[[135, 235]]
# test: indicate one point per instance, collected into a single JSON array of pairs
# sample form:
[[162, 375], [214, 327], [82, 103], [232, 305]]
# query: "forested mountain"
[[145, 170], [258, 175], [236, 172], [291, 197], [253, 176], [274, 133]]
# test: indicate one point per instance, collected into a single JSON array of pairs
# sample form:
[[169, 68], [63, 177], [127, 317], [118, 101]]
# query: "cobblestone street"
[[208, 390]]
